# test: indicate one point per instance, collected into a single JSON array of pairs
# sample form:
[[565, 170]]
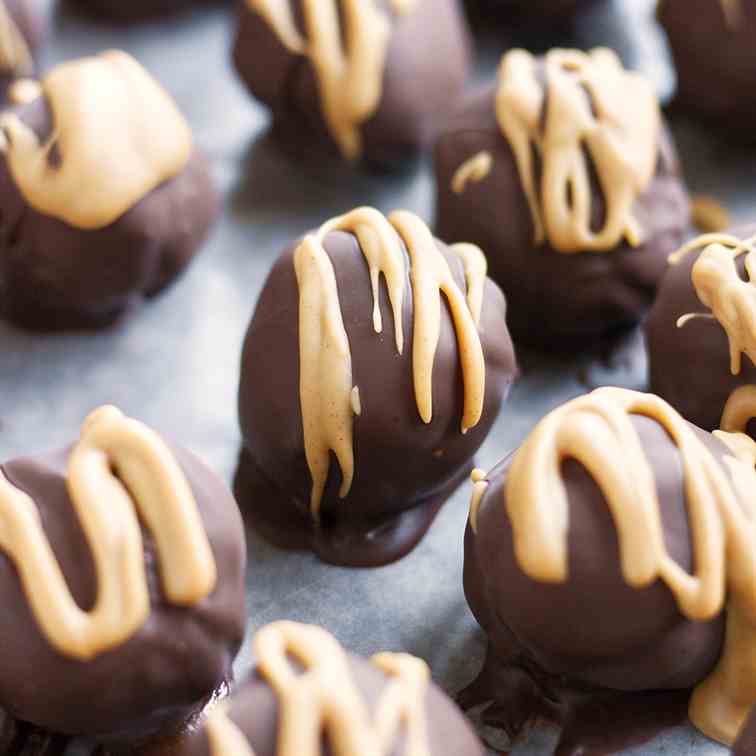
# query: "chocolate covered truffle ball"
[[386, 707], [565, 174], [104, 198], [713, 51], [375, 364], [604, 560], [122, 580], [373, 78], [701, 332], [21, 31]]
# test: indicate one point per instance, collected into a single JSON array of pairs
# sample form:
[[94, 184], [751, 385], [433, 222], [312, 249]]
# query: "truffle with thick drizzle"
[[387, 707], [121, 559], [354, 72], [701, 332], [575, 195], [100, 205], [373, 307], [618, 508]]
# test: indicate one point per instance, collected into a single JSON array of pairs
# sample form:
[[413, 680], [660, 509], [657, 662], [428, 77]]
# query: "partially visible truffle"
[[97, 212], [579, 565], [701, 332], [388, 706], [361, 414], [715, 58], [374, 79], [122, 574], [138, 11], [577, 209]]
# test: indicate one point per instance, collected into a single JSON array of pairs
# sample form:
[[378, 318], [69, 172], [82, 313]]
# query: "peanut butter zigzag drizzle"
[[739, 410], [591, 112], [147, 484], [322, 701], [731, 301], [15, 56], [326, 387], [596, 430], [118, 136], [349, 65]]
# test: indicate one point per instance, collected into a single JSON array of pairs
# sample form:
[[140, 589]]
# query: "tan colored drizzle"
[[474, 169], [15, 55], [596, 430], [24, 91], [154, 491], [709, 215], [325, 356], [480, 486], [731, 301], [322, 701], [739, 410], [620, 138], [119, 136], [349, 66]]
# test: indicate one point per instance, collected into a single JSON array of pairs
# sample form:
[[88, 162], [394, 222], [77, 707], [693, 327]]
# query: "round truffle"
[[122, 565], [359, 422], [349, 697], [137, 11], [373, 79], [99, 212], [711, 43], [577, 564], [577, 211], [23, 29]]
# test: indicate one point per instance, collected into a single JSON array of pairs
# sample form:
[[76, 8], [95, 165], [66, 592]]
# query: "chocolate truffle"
[[565, 174], [22, 29], [713, 51], [387, 707], [360, 414], [104, 198], [135, 11], [122, 575], [541, 11], [373, 78], [701, 333], [579, 566]]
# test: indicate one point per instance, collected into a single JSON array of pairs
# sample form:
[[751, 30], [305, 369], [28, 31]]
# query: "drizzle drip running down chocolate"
[[349, 62], [731, 301], [615, 128], [597, 432], [155, 491], [111, 157], [322, 699], [15, 54], [475, 169], [326, 365]]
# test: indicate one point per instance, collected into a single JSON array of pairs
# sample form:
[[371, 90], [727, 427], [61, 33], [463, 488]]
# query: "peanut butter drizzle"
[[349, 66], [154, 490], [325, 356], [119, 136], [15, 55], [596, 430], [590, 105], [480, 486], [739, 410], [474, 169], [323, 701], [24, 91], [731, 301]]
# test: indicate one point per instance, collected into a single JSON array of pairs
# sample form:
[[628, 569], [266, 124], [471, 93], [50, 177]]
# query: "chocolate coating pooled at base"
[[557, 301], [689, 367], [426, 66], [137, 11], [715, 61], [54, 275], [610, 664], [164, 674], [404, 469]]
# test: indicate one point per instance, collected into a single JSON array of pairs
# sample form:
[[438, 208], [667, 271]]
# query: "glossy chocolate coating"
[[541, 11], [556, 301], [715, 62], [689, 367], [404, 469], [136, 11], [746, 744], [254, 709], [568, 652], [427, 64], [162, 676], [55, 276]]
